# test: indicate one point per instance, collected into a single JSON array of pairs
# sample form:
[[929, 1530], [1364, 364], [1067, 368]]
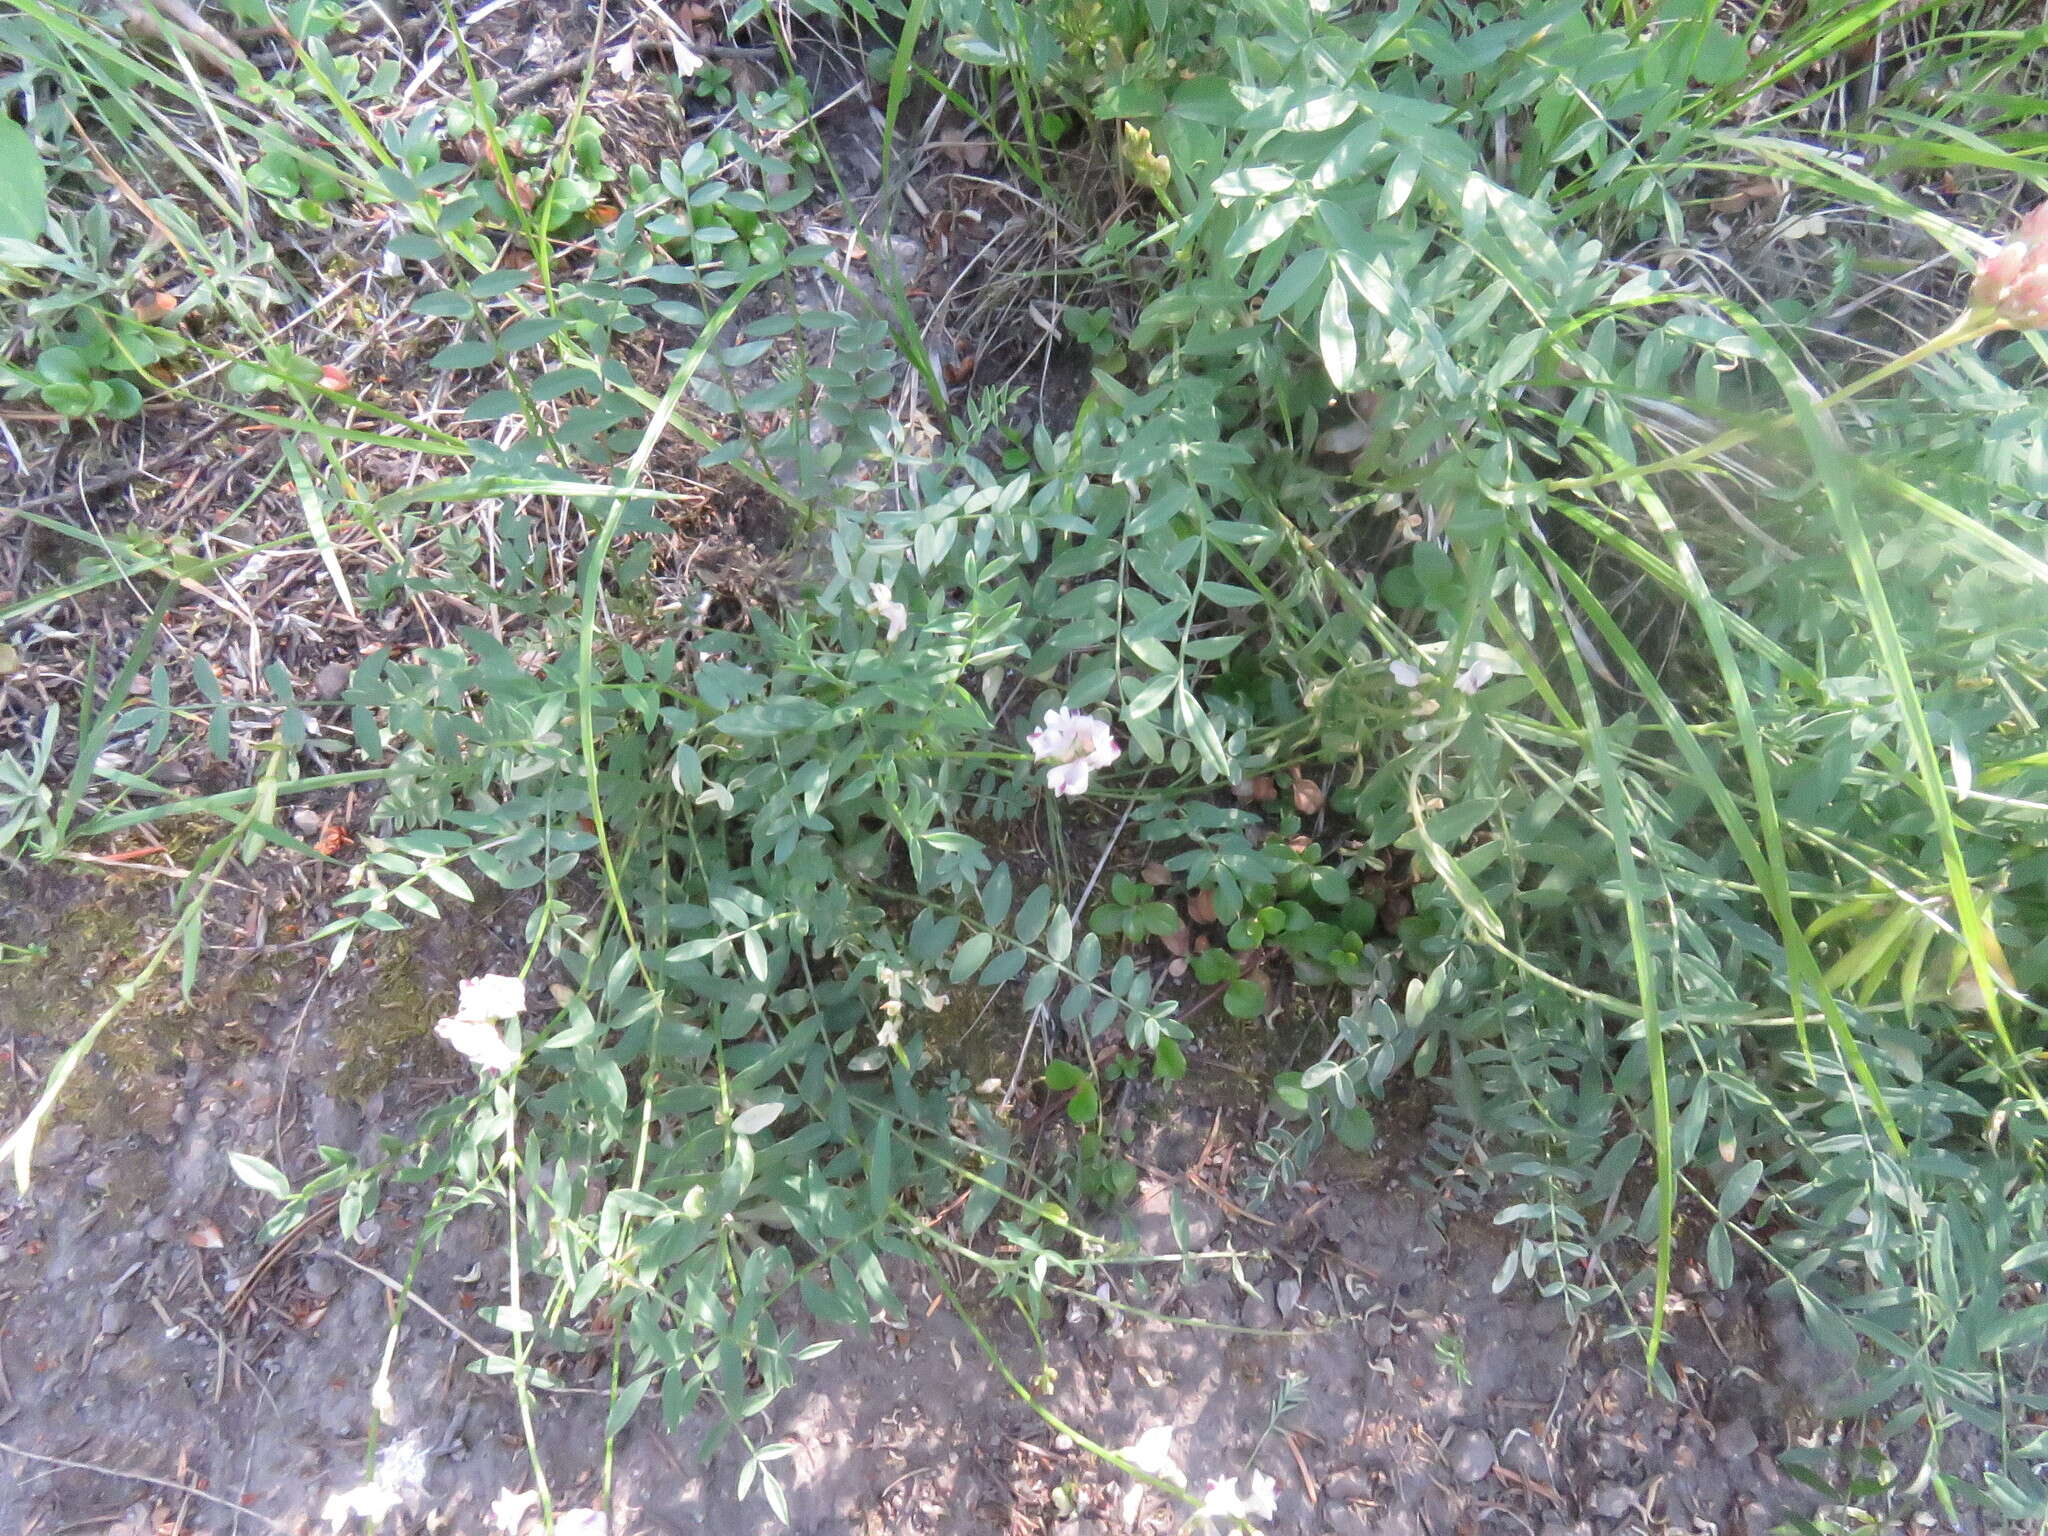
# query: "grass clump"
[[1616, 690]]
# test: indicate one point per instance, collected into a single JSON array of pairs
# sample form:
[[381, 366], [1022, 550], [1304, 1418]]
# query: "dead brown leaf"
[[1308, 794]]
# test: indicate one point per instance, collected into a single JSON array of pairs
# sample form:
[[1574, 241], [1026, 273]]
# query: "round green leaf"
[[1354, 1127], [1062, 1075], [1085, 1105], [1244, 999]]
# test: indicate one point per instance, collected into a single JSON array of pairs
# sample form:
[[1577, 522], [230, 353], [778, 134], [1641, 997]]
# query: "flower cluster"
[[1076, 745], [894, 984], [1152, 1454], [882, 604], [482, 1003], [2012, 283]]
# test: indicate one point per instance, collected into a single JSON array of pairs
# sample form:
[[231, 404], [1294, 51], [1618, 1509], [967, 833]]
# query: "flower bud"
[[2012, 282]]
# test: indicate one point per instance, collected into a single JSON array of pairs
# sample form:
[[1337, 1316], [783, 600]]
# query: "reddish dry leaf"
[[206, 1235], [1256, 790], [1156, 873], [1308, 794], [1757, 189], [971, 152], [1202, 907]]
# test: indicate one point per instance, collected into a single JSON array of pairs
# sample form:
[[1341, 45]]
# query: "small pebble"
[[322, 1279], [1611, 1454], [114, 1318], [1084, 1321], [1348, 1483], [305, 821], [1612, 1500], [59, 1144], [1523, 1453], [1286, 1293], [330, 680], [1735, 1440], [1259, 1312], [1378, 1329], [1469, 1455]]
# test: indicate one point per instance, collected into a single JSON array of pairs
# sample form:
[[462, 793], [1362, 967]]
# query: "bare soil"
[[1343, 1338]]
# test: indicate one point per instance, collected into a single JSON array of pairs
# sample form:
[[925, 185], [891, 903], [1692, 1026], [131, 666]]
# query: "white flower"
[[509, 1509], [368, 1501], [883, 605], [1474, 677], [480, 1041], [472, 1031], [1407, 674], [401, 1480], [1076, 745], [1224, 1502], [491, 997], [582, 1522], [1151, 1452]]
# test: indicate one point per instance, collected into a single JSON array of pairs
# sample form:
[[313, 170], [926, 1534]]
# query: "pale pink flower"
[[2012, 282], [1474, 677], [1075, 745]]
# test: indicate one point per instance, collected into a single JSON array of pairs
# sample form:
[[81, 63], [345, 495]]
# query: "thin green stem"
[[1969, 326]]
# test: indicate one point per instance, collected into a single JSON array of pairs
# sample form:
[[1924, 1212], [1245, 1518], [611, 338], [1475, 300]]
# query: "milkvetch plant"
[[1388, 651]]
